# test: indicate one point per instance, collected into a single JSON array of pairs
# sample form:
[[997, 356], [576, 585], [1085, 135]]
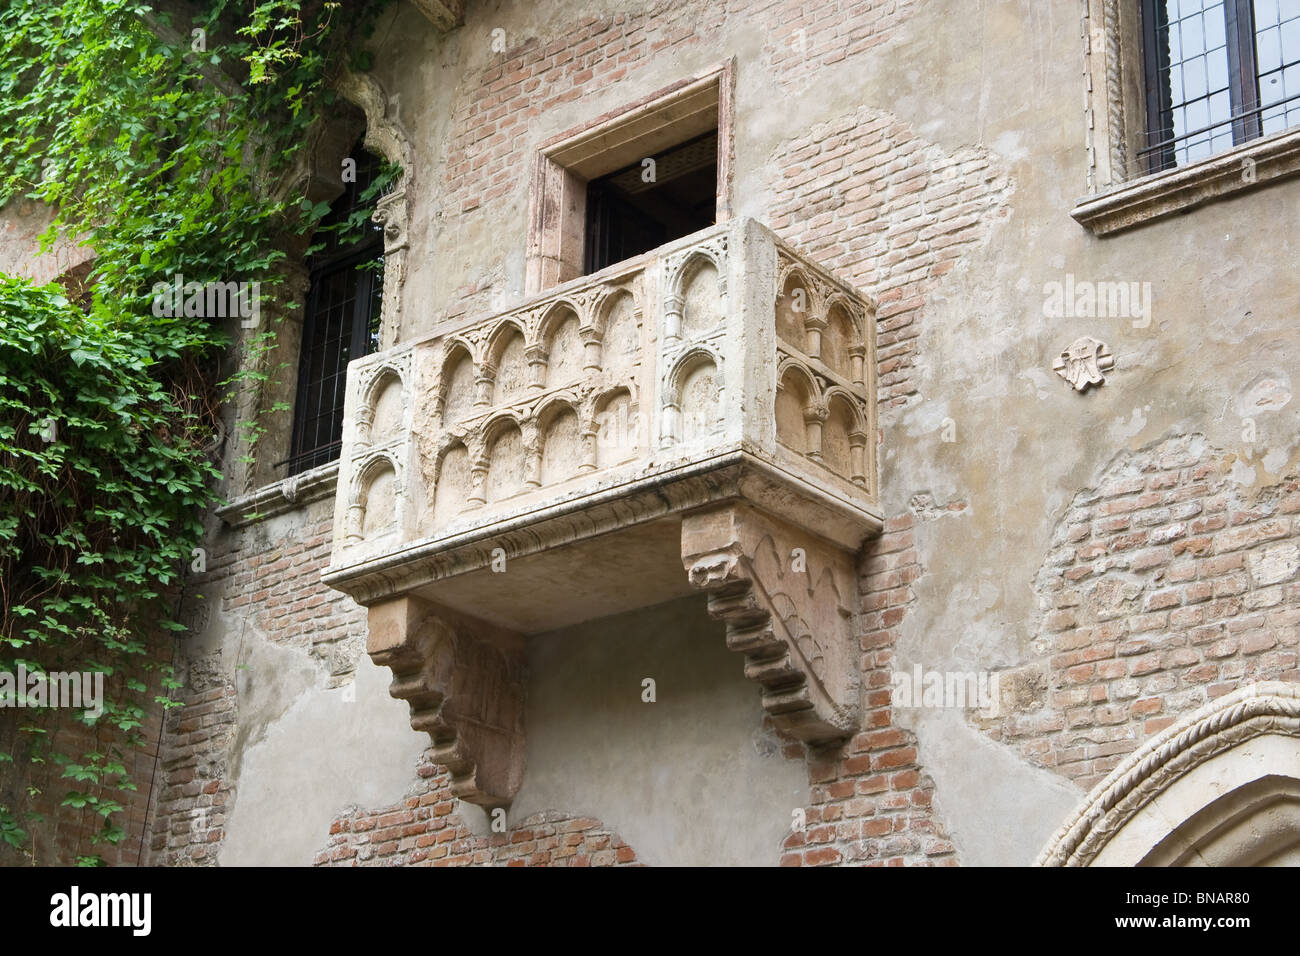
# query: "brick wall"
[[806, 37], [891, 213], [902, 223], [872, 801], [894, 214], [64, 833], [489, 153], [424, 830], [268, 585], [1164, 589]]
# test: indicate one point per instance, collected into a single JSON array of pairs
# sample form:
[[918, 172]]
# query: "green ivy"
[[160, 145]]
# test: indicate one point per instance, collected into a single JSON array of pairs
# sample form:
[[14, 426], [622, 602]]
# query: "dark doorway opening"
[[643, 206]]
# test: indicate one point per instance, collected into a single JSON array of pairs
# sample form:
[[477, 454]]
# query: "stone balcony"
[[702, 417]]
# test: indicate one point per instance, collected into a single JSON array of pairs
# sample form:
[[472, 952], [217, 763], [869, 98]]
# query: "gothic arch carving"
[[1162, 799], [681, 271], [798, 396], [503, 380], [557, 404], [792, 369], [362, 518], [555, 314], [499, 337], [384, 133], [386, 136], [376, 411], [615, 424], [451, 482], [561, 453], [559, 342], [689, 361], [455, 398], [616, 328], [603, 307], [857, 415], [690, 405]]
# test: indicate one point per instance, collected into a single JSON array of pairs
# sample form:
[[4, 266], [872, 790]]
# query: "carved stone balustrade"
[[702, 417]]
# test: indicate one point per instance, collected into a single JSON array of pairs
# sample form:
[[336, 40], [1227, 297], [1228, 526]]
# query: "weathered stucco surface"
[[328, 749], [690, 779]]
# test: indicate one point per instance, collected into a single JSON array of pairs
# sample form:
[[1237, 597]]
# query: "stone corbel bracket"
[[786, 598], [464, 681]]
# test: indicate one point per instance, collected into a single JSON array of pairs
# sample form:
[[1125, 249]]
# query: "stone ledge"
[[733, 475], [1245, 167], [281, 496]]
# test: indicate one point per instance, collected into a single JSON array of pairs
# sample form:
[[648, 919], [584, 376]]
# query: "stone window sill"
[[281, 496], [1245, 167]]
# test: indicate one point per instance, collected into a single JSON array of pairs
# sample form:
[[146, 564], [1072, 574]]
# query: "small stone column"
[[813, 418]]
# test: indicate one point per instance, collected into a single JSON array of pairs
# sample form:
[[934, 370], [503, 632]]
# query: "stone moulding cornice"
[[1245, 167], [727, 476], [1265, 707], [281, 496]]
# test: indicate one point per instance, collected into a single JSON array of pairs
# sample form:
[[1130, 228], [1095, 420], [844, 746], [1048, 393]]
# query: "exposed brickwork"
[[868, 199], [872, 801], [194, 785], [807, 37], [64, 833], [276, 585], [488, 155], [271, 585], [424, 830], [1163, 590]]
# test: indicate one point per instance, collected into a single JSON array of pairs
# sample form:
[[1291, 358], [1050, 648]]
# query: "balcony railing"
[[704, 404]]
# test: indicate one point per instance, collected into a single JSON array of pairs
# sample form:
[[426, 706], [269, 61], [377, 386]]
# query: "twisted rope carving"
[[1245, 713], [1114, 92]]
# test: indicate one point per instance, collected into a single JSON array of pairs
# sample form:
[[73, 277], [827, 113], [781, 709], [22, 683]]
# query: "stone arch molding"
[[1219, 787], [386, 136]]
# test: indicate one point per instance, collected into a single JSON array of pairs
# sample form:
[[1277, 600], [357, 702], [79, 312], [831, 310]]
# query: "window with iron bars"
[[340, 321], [1218, 73]]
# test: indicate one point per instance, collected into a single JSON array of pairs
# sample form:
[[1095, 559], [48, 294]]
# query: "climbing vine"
[[166, 147]]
